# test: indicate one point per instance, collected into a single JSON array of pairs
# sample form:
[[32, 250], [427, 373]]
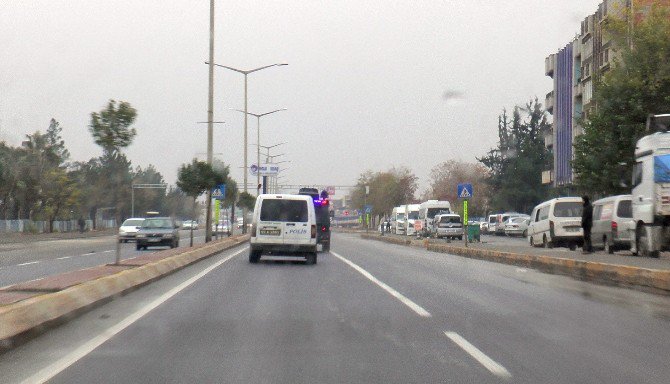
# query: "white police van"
[[283, 225]]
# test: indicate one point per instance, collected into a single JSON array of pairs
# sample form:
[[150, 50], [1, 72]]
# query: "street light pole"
[[246, 167], [210, 119], [258, 134]]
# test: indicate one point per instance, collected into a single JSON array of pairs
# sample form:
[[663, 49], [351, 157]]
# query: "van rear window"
[[284, 210], [625, 209], [568, 209]]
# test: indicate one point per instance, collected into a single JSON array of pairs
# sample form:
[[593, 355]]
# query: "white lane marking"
[[478, 355], [28, 263], [412, 305], [61, 364], [64, 258]]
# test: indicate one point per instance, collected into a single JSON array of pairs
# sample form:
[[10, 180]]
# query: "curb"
[[644, 279], [35, 312]]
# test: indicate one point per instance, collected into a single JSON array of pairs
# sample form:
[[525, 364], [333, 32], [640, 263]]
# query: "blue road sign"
[[464, 191], [368, 209], [219, 192]]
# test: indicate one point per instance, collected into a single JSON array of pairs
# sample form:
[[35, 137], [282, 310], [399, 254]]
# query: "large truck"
[[427, 211], [412, 217], [398, 220], [651, 189]]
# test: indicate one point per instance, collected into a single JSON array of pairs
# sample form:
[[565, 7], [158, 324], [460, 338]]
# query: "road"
[[368, 312], [20, 262]]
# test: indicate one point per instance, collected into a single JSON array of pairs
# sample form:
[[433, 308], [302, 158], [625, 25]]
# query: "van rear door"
[[270, 226], [297, 228]]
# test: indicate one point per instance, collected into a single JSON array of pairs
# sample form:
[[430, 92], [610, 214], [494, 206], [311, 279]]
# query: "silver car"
[[517, 226], [612, 223], [448, 226]]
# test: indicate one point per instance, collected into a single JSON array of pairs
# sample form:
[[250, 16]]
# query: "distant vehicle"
[[501, 220], [412, 217], [223, 226], [517, 226], [427, 211], [240, 222], [448, 225], [557, 222], [128, 230], [613, 223], [651, 182], [283, 224], [157, 231], [491, 223], [398, 220], [321, 210], [189, 224]]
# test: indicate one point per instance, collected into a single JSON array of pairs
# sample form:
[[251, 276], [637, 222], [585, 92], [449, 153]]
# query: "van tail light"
[[615, 227], [324, 229], [551, 228], [253, 230], [313, 231]]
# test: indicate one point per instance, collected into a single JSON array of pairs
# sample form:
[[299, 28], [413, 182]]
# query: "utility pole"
[[210, 120]]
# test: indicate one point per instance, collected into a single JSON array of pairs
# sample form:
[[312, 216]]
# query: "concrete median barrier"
[[38, 310], [645, 279]]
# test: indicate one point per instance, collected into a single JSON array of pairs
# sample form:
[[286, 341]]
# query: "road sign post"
[[464, 191]]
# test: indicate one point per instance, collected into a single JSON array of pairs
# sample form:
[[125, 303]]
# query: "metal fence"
[[58, 226]]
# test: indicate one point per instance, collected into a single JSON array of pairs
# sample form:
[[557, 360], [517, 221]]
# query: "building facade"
[[574, 69]]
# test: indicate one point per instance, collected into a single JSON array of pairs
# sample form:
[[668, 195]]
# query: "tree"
[[149, 199], [111, 126], [638, 84], [515, 166], [246, 201], [445, 178], [58, 195], [196, 178], [387, 190]]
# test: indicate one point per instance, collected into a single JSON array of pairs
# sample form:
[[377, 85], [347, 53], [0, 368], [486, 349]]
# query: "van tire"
[[545, 243], [573, 247], [254, 256], [531, 242], [607, 247], [310, 258]]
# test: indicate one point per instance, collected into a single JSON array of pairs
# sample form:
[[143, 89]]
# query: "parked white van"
[[613, 223], [412, 217], [398, 220], [427, 211], [283, 224], [557, 222]]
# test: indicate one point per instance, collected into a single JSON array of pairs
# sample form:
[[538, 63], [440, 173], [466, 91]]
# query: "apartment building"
[[574, 69]]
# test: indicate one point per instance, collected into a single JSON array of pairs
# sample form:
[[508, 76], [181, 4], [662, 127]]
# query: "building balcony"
[[550, 65], [547, 177], [549, 102], [549, 140], [578, 90]]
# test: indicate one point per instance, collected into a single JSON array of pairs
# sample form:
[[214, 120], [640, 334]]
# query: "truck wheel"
[[642, 243], [608, 248]]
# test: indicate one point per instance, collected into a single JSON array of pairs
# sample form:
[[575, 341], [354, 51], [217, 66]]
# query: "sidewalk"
[[620, 269], [25, 237]]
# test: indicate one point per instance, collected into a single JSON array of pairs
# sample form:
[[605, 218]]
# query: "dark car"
[[157, 231]]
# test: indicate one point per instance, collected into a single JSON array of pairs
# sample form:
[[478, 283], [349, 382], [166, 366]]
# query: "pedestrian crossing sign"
[[219, 193], [464, 191]]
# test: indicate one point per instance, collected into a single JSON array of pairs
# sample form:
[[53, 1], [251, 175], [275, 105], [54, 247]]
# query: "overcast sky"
[[364, 85]]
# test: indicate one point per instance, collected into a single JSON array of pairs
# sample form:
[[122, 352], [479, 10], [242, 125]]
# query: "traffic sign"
[[464, 191], [219, 192], [368, 209]]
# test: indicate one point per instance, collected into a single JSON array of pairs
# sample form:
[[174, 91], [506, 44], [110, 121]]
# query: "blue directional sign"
[[219, 192], [368, 209], [464, 191]]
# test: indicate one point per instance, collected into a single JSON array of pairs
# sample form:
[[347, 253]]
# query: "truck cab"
[[651, 190]]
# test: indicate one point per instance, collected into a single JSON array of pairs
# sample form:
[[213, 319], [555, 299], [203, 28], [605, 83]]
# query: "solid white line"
[[28, 263], [412, 305], [61, 364], [478, 355], [64, 258]]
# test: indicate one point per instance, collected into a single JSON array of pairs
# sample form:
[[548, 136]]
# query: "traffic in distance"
[[615, 223]]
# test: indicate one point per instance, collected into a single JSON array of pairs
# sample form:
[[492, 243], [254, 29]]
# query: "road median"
[[645, 279], [32, 307]]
